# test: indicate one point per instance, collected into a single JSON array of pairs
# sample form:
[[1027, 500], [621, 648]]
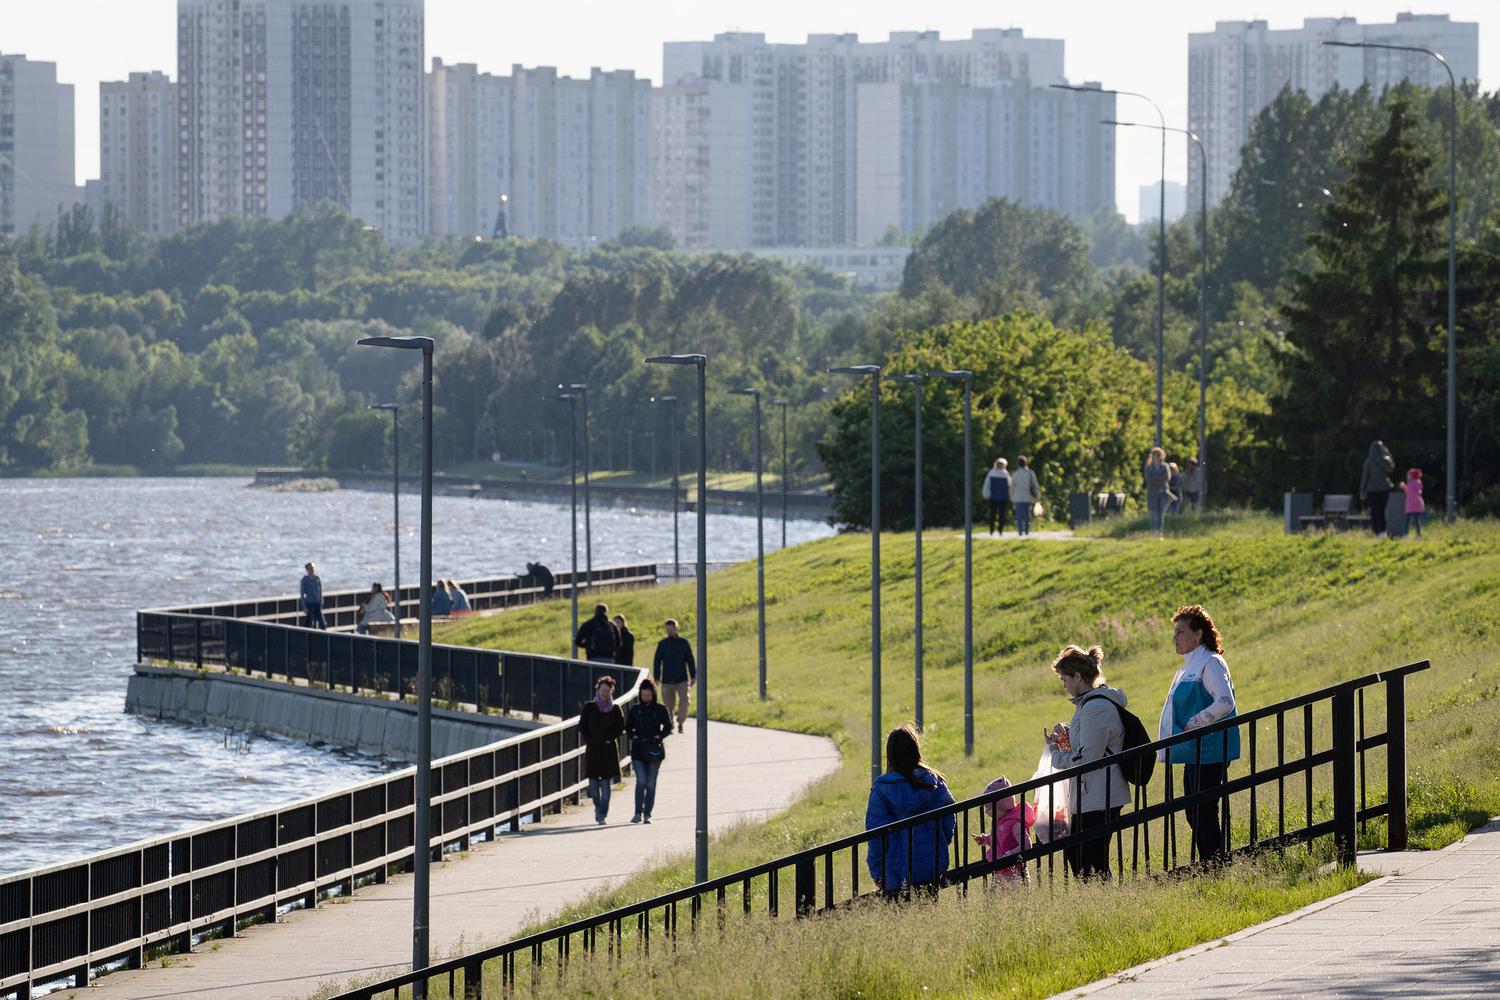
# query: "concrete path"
[[1430, 928], [499, 887]]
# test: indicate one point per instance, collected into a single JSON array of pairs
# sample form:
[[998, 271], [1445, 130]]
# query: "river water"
[[79, 556]]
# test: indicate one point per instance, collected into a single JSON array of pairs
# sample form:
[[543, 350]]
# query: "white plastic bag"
[[1053, 812]]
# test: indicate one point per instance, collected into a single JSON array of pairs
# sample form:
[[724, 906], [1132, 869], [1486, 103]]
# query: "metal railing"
[[65, 920], [1288, 749]]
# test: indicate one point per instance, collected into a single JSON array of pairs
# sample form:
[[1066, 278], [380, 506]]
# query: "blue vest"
[[1188, 699]]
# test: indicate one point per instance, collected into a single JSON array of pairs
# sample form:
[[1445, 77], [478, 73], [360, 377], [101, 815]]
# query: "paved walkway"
[[501, 886], [1431, 929]]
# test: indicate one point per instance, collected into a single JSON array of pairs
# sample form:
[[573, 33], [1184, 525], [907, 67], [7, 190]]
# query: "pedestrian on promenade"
[[1158, 477], [1097, 730], [312, 597], [648, 725], [996, 490], [1192, 485], [458, 601], [1416, 507], [1375, 484], [1174, 487], [910, 786], [1010, 830], [375, 609], [442, 603], [602, 722], [1201, 694], [674, 669], [1025, 492], [598, 637], [543, 577], [625, 652]]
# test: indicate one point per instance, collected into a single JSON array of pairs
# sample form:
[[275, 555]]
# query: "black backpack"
[[1139, 768]]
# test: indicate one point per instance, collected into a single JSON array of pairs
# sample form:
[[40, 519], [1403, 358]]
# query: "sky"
[[1131, 46]]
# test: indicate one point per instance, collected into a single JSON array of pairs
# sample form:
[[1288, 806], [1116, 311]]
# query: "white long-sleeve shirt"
[[1202, 664]]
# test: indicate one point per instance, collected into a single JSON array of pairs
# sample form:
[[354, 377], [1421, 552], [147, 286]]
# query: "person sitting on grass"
[[915, 856]]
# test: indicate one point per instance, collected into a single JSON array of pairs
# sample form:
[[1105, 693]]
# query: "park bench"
[[1337, 513]]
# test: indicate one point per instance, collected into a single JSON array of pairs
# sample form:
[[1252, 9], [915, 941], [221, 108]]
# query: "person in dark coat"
[[602, 722], [648, 724], [673, 668], [543, 577], [625, 652], [598, 637]]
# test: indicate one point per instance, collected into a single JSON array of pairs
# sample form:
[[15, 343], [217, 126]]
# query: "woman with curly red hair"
[[1201, 694]]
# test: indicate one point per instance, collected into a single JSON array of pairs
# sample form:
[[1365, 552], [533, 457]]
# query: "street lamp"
[[783, 404], [700, 837], [874, 372], [395, 409], [760, 537], [572, 401], [676, 490], [1161, 272], [916, 384], [1451, 506], [582, 392], [967, 378], [421, 819], [1202, 297]]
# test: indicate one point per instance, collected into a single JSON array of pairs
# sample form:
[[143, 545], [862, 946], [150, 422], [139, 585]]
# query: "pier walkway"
[[499, 887]]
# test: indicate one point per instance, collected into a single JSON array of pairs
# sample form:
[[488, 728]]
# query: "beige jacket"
[[1024, 486]]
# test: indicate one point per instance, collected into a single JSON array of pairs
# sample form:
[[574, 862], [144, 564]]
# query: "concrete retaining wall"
[[352, 722]]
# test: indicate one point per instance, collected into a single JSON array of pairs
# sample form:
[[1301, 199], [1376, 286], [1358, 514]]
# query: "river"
[[79, 556]]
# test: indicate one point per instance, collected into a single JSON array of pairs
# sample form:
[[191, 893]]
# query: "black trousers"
[[1091, 858], [1376, 500], [997, 515], [1204, 819]]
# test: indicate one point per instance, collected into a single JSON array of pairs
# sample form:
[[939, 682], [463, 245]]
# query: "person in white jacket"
[[1025, 492], [1096, 730], [1201, 694]]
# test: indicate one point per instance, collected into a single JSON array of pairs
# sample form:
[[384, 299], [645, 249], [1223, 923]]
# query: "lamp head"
[[903, 378], [856, 370], [663, 399], [679, 359], [423, 344], [383, 406], [958, 375], [778, 402], [747, 391]]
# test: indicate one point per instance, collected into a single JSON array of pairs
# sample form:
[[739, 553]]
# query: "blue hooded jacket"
[[893, 798]]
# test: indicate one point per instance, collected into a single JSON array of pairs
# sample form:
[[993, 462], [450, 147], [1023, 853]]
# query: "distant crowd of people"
[[1170, 489]]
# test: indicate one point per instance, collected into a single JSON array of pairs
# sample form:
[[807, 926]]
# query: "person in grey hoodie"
[[1096, 731], [1375, 483]]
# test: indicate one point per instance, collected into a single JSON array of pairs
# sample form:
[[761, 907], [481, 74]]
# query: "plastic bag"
[[1053, 814]]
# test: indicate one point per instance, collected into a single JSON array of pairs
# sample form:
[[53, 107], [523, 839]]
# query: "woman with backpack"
[[1201, 694], [1097, 730], [917, 855]]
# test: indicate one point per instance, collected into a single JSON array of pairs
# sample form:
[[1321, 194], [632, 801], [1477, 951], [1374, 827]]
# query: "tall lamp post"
[[1161, 238], [916, 384], [395, 409], [785, 476], [760, 537], [676, 490], [873, 371], [967, 378], [582, 392], [1450, 511], [421, 819], [700, 832], [572, 401], [1202, 294]]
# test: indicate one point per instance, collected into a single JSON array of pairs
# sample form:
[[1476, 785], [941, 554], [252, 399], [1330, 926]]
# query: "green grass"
[[1297, 614]]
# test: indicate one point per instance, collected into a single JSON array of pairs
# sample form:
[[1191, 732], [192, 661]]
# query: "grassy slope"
[[1297, 613]]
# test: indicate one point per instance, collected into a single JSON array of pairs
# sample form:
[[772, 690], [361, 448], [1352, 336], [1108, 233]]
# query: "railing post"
[[474, 980], [1345, 806], [198, 643], [1395, 762], [806, 889]]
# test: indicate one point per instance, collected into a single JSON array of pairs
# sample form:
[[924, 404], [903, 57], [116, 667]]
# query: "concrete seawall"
[[351, 722]]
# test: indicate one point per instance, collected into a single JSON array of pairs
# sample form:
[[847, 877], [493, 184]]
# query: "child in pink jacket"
[[1416, 508], [1010, 830]]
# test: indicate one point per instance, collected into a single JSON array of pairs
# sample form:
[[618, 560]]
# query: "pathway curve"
[[1431, 929], [499, 887]]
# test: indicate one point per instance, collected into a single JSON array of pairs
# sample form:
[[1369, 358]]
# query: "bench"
[[1336, 513]]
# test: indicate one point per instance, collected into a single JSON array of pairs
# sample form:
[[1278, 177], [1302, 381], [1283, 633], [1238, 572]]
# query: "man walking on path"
[[312, 598], [598, 636], [674, 669]]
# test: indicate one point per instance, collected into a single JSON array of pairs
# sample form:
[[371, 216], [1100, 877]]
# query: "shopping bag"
[[1053, 814]]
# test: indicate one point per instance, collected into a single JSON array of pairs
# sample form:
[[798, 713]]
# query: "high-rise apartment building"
[[468, 148], [290, 103], [1237, 69], [831, 142], [36, 144], [138, 150], [1149, 207]]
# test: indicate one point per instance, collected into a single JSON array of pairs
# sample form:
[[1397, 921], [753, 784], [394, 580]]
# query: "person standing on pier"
[[312, 598], [674, 669]]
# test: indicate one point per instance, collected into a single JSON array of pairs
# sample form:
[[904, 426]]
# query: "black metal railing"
[[63, 921], [1307, 763]]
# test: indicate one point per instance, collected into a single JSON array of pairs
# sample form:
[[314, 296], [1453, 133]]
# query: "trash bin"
[[1395, 514], [1079, 509], [1295, 506]]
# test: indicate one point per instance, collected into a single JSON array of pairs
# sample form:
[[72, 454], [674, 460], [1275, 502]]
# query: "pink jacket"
[[1414, 502], [1010, 831]]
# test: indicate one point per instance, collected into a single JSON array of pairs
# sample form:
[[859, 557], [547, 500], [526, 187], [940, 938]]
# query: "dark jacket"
[[893, 798], [673, 662], [312, 590], [601, 740], [647, 726], [442, 604], [598, 637], [625, 651], [543, 577]]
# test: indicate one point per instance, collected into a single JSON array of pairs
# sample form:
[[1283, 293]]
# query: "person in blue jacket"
[[917, 855], [312, 597], [442, 601]]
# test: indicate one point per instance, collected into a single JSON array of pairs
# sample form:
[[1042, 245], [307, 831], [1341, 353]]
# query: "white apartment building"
[[1149, 207], [138, 150], [290, 103], [468, 148], [36, 144], [1237, 69]]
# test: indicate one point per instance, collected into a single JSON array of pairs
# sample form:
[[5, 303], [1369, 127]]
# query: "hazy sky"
[[1108, 40]]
